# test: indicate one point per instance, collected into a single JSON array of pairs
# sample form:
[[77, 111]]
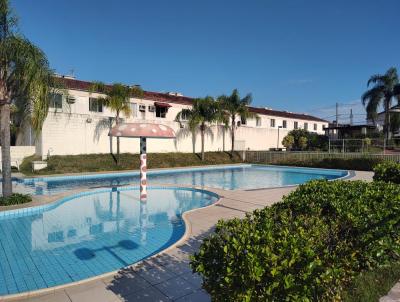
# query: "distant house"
[[78, 124], [343, 131]]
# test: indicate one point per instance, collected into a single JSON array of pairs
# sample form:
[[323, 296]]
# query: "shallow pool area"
[[89, 234], [234, 177]]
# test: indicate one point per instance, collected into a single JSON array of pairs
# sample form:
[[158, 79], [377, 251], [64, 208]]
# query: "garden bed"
[[106, 162]]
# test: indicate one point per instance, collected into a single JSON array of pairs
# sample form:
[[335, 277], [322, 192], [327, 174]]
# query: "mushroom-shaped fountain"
[[142, 131]]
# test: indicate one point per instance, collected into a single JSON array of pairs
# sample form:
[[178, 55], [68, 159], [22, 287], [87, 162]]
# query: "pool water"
[[223, 177], [90, 234]]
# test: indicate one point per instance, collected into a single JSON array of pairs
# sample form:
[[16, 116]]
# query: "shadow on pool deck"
[[167, 277]]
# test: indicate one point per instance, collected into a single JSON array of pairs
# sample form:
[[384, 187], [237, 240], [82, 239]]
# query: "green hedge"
[[360, 164], [387, 171], [307, 247], [15, 198], [60, 164]]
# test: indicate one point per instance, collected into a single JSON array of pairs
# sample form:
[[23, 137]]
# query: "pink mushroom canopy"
[[142, 130]]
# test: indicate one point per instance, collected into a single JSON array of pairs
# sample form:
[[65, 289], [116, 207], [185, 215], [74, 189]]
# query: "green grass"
[[370, 286], [106, 162]]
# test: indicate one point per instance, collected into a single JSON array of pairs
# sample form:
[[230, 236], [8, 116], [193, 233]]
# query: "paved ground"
[[168, 276]]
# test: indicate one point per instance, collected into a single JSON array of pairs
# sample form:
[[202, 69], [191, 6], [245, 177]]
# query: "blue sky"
[[294, 55]]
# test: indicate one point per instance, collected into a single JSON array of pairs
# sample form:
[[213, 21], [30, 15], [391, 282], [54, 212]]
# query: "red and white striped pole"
[[143, 169]]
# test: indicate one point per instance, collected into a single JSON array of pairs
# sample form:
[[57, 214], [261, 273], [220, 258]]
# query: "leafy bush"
[[305, 140], [307, 247], [15, 198], [288, 141], [361, 164], [387, 171]]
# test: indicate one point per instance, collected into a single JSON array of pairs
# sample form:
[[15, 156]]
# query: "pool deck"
[[167, 276]]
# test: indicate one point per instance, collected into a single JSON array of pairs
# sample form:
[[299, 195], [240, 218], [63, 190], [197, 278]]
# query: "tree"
[[288, 141], [303, 142], [384, 89], [117, 98], [232, 107], [26, 79], [204, 112]]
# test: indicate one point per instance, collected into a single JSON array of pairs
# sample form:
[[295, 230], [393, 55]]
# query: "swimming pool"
[[223, 177], [89, 234]]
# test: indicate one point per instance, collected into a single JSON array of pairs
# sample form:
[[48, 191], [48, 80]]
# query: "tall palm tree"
[[26, 79], [204, 112], [232, 107], [117, 100], [384, 89]]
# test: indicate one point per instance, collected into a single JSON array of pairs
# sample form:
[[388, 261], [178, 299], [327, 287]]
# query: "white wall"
[[18, 153], [76, 130]]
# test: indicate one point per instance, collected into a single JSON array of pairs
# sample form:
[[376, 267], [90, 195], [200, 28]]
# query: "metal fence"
[[366, 145], [281, 156]]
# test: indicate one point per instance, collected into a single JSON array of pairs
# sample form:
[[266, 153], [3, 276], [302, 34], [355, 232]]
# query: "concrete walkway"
[[168, 277]]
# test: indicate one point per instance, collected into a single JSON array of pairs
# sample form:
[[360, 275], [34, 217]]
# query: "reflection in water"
[[143, 221], [90, 235]]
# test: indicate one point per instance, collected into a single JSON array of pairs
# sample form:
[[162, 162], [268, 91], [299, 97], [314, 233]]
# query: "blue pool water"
[[90, 234], [223, 177]]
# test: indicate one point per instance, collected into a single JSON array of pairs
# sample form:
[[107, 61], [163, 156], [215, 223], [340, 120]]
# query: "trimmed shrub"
[[15, 198], [388, 172], [306, 248], [305, 140], [360, 164]]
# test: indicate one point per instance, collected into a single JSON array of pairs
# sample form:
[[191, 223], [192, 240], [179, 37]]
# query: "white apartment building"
[[78, 124]]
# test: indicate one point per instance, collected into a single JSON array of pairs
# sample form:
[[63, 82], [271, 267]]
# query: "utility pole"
[[337, 114], [351, 116]]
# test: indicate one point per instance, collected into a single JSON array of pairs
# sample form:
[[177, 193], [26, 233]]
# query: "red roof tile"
[[165, 97]]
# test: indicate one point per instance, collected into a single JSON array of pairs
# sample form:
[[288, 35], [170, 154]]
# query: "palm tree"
[[204, 111], [117, 100], [26, 79], [232, 107], [384, 88]]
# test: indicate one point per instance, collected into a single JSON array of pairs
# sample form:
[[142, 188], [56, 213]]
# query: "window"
[[272, 123], [161, 111], [305, 126], [243, 121], [284, 124], [133, 109], [56, 101], [258, 121], [296, 125], [315, 127], [95, 105]]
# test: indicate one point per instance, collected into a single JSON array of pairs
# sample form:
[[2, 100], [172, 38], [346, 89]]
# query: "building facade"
[[78, 124]]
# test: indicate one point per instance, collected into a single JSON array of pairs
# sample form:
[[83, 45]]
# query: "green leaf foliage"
[[387, 171], [305, 140], [306, 248], [359, 164], [15, 198]]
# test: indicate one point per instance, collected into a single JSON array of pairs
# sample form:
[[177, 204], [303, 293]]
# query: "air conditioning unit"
[[71, 99], [152, 108], [142, 108]]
